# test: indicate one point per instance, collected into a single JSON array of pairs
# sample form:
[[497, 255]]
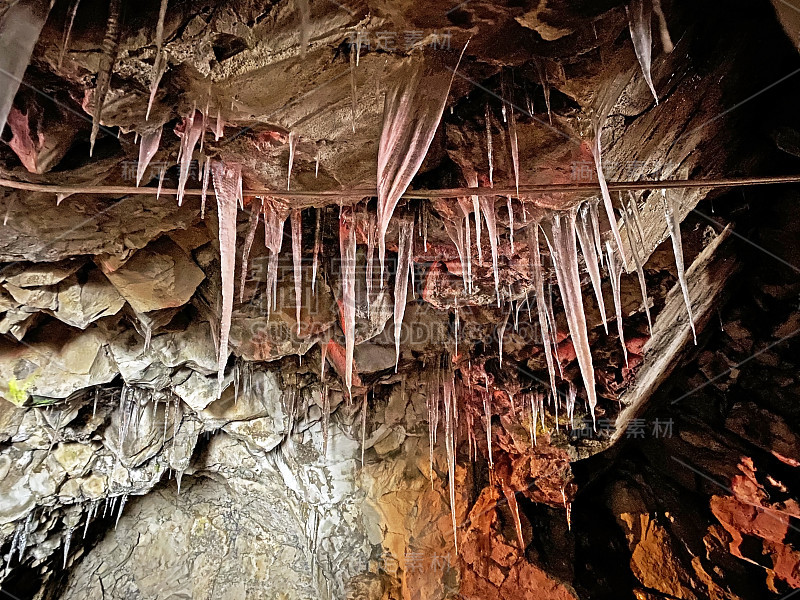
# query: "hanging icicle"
[[639, 19], [588, 247], [297, 261], [226, 179], [489, 146], [674, 227], [147, 150], [347, 250], [615, 273], [412, 111], [317, 248], [73, 10], [108, 57], [535, 266], [292, 144], [193, 127], [565, 259], [404, 258], [252, 226], [488, 209]]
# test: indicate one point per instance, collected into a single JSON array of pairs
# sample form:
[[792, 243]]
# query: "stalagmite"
[[20, 26], [489, 216], [225, 186], [193, 128], [639, 19], [535, 265], [73, 10], [615, 272], [674, 226], [107, 58], [588, 247], [347, 250], [292, 144], [317, 248], [297, 261], [252, 226], [412, 111], [404, 244], [147, 150], [565, 259]]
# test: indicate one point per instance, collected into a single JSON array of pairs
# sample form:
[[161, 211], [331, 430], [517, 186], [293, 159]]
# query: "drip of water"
[[347, 249], [565, 259], [297, 261], [588, 246], [147, 150], [225, 187], [404, 259], [412, 111], [615, 272], [639, 19], [674, 227]]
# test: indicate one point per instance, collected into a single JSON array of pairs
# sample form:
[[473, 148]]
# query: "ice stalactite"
[[226, 178], [501, 330], [571, 396], [510, 222], [594, 218], [465, 210], [455, 231], [449, 398], [535, 265], [565, 259], [639, 19], [601, 178], [160, 64], [674, 226], [353, 89], [404, 261], [364, 409], [317, 248], [20, 26], [412, 111], [489, 145], [371, 227], [292, 146], [193, 128], [512, 133], [615, 272], [275, 214], [545, 89], [297, 261], [666, 40], [252, 226], [73, 10], [487, 412], [472, 181], [489, 216], [589, 249], [67, 541], [204, 190], [122, 501], [347, 250], [636, 244], [108, 57], [305, 25], [148, 147]]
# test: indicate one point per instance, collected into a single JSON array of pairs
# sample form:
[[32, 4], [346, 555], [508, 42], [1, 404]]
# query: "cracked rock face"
[[450, 468]]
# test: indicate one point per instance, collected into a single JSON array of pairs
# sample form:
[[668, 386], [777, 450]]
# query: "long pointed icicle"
[[347, 249], [412, 111], [512, 133], [674, 227], [601, 178], [160, 63], [472, 181], [636, 245], [404, 243], [292, 145], [252, 226], [226, 189], [20, 26], [317, 248], [73, 10], [565, 259], [535, 265], [297, 261], [487, 208], [489, 146], [148, 146], [639, 19], [588, 247], [193, 128], [107, 59], [448, 393], [615, 272]]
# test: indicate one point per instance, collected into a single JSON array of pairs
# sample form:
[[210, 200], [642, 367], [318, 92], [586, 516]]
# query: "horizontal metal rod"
[[524, 190]]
